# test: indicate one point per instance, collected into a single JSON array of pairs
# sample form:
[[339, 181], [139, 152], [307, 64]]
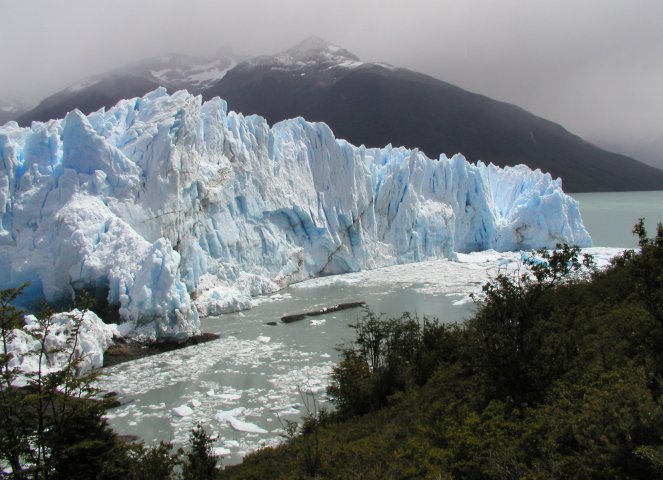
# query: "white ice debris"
[[94, 337], [224, 415], [220, 451], [183, 411], [171, 207], [231, 417], [242, 426], [226, 374], [229, 397]]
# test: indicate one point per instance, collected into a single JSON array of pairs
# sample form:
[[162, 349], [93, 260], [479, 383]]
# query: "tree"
[[646, 269], [387, 356], [51, 423], [200, 461], [51, 426], [509, 324], [13, 441]]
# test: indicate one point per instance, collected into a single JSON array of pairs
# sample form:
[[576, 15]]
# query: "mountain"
[[89, 96], [376, 104], [175, 72], [165, 207], [9, 110]]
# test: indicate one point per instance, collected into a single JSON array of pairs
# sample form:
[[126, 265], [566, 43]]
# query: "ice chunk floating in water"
[[165, 199]]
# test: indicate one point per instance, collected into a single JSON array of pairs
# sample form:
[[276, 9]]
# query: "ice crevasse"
[[171, 208]]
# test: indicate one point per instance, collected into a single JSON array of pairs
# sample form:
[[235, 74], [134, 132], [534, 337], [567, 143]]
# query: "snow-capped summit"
[[368, 103], [8, 107], [374, 103], [173, 71], [313, 53], [317, 49], [168, 207], [177, 72]]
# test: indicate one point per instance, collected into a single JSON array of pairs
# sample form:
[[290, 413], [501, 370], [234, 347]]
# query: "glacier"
[[170, 208]]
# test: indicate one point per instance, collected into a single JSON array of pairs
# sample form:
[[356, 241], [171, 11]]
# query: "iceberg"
[[167, 207], [183, 411]]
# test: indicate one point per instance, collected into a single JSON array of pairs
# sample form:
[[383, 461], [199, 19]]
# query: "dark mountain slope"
[[173, 71], [375, 105], [368, 103], [104, 92]]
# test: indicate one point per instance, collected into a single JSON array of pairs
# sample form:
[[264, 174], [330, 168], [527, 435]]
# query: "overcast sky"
[[594, 66]]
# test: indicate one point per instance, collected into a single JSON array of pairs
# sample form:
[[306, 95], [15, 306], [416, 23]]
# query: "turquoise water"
[[610, 217]]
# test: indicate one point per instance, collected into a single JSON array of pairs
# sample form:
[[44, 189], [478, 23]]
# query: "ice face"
[[169, 206]]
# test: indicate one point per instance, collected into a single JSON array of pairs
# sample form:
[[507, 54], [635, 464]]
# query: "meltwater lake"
[[242, 385]]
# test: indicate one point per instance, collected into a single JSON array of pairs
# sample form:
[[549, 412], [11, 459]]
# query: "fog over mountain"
[[594, 66]]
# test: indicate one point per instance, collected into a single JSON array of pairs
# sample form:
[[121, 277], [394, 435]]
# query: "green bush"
[[199, 461], [558, 375], [53, 427]]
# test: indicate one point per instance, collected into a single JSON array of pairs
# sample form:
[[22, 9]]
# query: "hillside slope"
[[376, 104]]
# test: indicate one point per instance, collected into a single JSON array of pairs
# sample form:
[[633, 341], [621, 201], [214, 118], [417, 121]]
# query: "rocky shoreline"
[[125, 352]]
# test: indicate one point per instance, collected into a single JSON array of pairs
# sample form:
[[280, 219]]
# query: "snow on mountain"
[[173, 71], [177, 72], [11, 106], [170, 207], [374, 104], [313, 52]]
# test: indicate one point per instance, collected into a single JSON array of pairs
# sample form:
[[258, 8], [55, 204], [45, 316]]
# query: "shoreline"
[[126, 352], [295, 317]]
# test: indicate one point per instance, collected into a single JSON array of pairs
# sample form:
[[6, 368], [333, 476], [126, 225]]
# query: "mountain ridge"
[[374, 104]]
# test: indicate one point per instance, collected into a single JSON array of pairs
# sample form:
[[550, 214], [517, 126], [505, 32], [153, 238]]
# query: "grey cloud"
[[594, 66]]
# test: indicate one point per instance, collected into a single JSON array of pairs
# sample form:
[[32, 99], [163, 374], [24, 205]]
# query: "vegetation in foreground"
[[52, 422], [558, 375]]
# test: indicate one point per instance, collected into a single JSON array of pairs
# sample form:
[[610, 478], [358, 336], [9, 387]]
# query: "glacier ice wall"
[[171, 208]]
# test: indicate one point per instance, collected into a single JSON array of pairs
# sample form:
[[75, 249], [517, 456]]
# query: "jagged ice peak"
[[170, 208]]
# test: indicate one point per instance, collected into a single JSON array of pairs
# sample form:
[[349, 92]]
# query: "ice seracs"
[[168, 207]]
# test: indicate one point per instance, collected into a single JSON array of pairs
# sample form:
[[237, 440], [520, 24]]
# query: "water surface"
[[244, 384], [610, 216]]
